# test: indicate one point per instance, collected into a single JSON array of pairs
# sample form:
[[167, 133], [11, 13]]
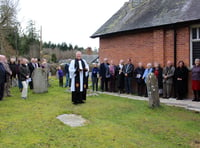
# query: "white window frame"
[[193, 40]]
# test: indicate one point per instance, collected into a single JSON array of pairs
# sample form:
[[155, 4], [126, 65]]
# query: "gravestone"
[[39, 78], [152, 89], [72, 120]]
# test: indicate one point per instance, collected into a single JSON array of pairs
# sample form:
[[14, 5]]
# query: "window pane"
[[194, 33], [196, 50], [199, 33]]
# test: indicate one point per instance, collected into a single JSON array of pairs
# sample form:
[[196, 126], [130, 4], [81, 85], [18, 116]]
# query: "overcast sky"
[[70, 21]]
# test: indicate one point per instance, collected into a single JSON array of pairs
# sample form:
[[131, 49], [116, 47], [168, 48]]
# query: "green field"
[[113, 122]]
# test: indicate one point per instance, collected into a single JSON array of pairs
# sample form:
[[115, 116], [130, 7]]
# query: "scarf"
[[78, 66]]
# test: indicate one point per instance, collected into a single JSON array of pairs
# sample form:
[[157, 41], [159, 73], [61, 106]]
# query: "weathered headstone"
[[152, 88], [72, 120], [39, 78]]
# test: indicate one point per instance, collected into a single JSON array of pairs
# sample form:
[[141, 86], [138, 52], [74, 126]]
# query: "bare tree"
[[8, 13], [8, 19]]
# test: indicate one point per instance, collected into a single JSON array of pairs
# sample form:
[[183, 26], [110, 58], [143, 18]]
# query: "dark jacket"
[[23, 72], [181, 73], [159, 77], [138, 75], [67, 68], [95, 71], [31, 68], [2, 74], [13, 68], [104, 70], [128, 69], [181, 84]]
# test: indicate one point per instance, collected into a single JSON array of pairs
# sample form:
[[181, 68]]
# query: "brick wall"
[[151, 46], [183, 45], [136, 46]]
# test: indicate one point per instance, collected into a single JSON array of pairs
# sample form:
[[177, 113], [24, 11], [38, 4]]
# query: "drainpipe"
[[175, 47]]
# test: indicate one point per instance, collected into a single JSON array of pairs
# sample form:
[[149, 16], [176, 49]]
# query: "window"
[[195, 44], [199, 32], [194, 33]]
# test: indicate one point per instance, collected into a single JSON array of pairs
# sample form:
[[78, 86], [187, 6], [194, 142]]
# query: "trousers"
[[167, 90], [25, 89]]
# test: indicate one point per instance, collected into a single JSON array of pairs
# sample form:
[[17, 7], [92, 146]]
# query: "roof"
[[90, 58], [140, 14]]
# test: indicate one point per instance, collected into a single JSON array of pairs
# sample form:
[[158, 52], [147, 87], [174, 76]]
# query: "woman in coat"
[[157, 70], [139, 71], [181, 79], [196, 80]]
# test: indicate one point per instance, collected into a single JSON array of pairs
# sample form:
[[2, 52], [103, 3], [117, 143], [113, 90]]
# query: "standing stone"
[[152, 88], [40, 84]]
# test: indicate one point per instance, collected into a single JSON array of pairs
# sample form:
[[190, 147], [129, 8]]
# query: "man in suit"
[[168, 74], [2, 78], [104, 74], [7, 84], [31, 67], [67, 75], [128, 72]]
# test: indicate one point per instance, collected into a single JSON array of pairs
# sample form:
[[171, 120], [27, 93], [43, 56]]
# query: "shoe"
[[75, 103], [24, 98], [9, 96], [194, 99], [179, 98]]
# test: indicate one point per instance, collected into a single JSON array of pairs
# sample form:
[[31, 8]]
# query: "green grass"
[[113, 122]]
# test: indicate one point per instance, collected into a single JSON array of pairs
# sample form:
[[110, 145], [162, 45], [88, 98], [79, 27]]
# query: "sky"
[[70, 21]]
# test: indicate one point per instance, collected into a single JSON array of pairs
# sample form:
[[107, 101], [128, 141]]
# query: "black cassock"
[[78, 73]]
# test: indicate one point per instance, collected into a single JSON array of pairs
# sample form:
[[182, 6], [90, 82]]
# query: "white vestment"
[[72, 74]]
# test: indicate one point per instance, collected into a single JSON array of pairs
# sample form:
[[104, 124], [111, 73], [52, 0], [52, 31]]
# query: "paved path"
[[187, 104]]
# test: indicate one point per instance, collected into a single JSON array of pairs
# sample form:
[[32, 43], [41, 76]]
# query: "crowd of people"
[[113, 78], [18, 72], [171, 80]]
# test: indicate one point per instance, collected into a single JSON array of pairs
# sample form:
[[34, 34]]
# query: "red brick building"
[[152, 31]]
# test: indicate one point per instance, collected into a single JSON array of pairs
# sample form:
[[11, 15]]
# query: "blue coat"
[[146, 73]]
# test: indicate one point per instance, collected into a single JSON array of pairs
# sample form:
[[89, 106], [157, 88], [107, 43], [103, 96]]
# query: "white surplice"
[[72, 74]]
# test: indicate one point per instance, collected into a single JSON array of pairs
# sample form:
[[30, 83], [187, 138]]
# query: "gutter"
[[175, 46]]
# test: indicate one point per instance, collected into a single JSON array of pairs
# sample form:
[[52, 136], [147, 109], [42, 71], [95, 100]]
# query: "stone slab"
[[40, 83], [152, 89], [72, 120]]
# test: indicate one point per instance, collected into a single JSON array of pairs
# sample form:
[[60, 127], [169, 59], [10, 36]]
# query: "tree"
[[53, 58], [8, 22], [8, 13], [31, 31]]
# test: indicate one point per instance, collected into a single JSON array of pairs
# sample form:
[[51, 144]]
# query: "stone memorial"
[[72, 120], [40, 83], [152, 89]]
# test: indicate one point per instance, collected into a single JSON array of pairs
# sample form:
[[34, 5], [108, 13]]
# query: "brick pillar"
[[158, 46]]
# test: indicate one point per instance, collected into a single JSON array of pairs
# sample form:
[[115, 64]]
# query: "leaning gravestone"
[[39, 78], [152, 88]]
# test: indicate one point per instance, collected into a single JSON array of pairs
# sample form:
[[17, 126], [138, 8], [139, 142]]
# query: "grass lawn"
[[113, 122]]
